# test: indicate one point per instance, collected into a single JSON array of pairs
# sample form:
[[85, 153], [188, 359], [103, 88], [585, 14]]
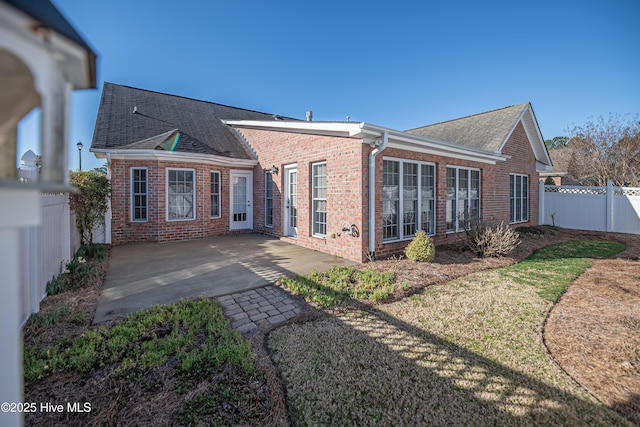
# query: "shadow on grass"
[[369, 368]]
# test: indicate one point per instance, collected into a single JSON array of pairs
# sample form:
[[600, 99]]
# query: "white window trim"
[[314, 199], [525, 209], [268, 174], [167, 195], [457, 168], [401, 237], [219, 193], [131, 194]]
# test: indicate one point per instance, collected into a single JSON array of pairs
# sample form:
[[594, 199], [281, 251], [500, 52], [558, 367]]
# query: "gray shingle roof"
[[485, 131], [160, 117]]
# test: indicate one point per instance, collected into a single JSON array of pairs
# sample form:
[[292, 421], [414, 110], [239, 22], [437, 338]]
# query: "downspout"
[[372, 192], [107, 219]]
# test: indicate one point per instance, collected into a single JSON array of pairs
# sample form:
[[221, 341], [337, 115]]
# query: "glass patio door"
[[241, 200]]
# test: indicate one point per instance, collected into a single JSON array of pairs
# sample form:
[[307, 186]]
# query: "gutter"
[[147, 154], [372, 192]]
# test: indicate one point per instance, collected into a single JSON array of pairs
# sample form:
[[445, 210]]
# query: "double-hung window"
[[268, 199], [181, 194], [463, 197], [319, 194], [139, 194], [408, 198], [215, 194], [519, 198]]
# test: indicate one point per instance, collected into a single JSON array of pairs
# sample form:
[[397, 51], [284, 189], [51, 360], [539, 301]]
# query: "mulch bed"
[[594, 333]]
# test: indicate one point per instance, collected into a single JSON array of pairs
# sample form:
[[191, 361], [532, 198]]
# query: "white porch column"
[[54, 129], [19, 208]]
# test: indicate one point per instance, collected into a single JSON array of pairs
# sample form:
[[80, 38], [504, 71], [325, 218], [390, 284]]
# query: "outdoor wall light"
[[274, 169]]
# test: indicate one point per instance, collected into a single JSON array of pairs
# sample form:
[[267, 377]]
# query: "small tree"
[[605, 150], [90, 203], [549, 181]]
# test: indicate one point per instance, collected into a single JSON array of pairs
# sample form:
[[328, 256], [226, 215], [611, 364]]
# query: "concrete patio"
[[141, 275]]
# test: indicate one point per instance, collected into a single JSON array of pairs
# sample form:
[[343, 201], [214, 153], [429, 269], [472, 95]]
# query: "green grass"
[[341, 284], [551, 269], [147, 339], [466, 352]]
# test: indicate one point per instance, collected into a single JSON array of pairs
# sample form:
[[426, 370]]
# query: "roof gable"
[[490, 131], [131, 118]]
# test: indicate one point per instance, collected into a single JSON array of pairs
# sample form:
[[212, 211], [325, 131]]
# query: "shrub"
[[421, 248], [488, 240]]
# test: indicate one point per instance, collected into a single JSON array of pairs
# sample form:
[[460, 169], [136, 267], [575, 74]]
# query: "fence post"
[[541, 202], [610, 207]]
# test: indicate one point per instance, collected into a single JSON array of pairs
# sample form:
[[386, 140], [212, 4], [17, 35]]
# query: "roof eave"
[[533, 134], [146, 154]]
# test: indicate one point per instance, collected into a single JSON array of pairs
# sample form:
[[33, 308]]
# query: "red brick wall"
[[157, 228], [345, 185], [494, 181], [347, 192]]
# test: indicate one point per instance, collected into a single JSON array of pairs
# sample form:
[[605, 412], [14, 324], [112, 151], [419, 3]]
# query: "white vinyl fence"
[[614, 209], [46, 249]]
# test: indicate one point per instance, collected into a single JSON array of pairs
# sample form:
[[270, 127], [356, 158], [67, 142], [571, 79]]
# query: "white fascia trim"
[[173, 156], [421, 144], [474, 157], [541, 167], [344, 129], [532, 130]]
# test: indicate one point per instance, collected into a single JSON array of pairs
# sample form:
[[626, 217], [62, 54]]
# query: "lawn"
[[466, 352]]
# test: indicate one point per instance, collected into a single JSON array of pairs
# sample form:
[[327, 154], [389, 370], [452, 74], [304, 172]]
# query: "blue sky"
[[397, 64]]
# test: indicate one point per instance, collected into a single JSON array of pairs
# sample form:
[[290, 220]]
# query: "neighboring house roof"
[[560, 158], [489, 131], [138, 119], [46, 13]]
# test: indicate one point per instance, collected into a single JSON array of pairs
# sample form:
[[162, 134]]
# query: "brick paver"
[[261, 308]]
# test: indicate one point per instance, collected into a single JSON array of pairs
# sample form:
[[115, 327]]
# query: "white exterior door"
[[240, 200], [291, 201]]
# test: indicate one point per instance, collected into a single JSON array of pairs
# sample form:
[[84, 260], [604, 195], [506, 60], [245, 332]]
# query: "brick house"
[[183, 169]]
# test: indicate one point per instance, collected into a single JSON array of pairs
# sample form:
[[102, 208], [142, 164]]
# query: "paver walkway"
[[261, 308]]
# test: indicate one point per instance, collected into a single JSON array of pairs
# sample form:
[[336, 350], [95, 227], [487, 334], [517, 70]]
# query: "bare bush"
[[490, 240]]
